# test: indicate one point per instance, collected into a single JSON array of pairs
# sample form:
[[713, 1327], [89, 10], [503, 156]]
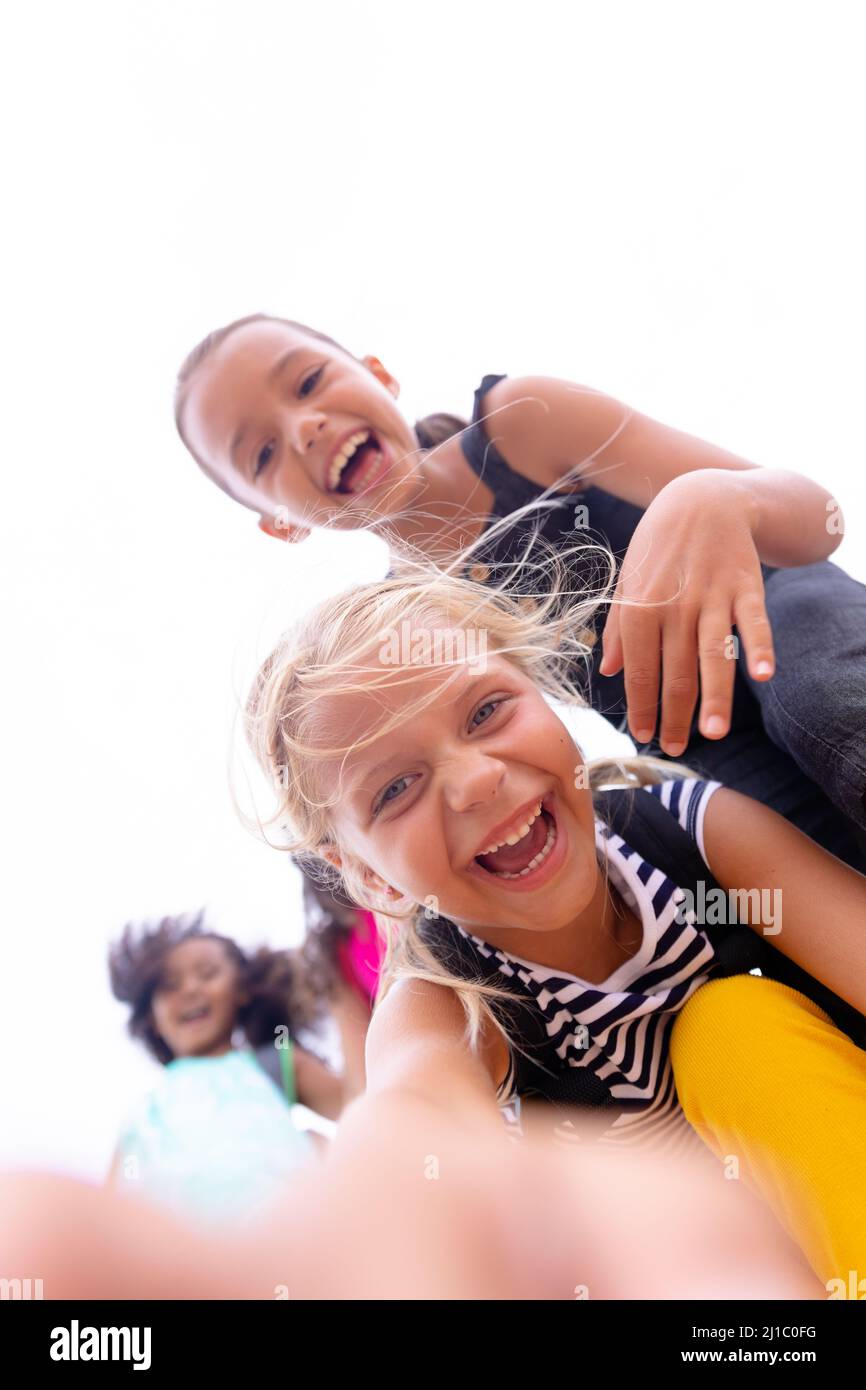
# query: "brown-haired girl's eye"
[[313, 377], [264, 458]]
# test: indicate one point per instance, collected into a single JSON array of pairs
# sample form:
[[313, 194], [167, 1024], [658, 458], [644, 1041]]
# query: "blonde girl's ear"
[[328, 852], [283, 531], [371, 879]]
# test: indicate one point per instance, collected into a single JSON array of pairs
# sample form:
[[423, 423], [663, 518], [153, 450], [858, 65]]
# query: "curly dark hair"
[[280, 987]]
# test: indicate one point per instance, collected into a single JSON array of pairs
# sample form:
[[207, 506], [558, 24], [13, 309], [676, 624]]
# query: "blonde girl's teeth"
[[533, 863], [518, 835]]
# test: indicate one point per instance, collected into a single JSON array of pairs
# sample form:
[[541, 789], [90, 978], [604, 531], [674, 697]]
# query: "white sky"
[[659, 200]]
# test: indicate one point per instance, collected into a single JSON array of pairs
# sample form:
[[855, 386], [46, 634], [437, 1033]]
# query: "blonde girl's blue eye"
[[488, 704], [313, 377], [385, 799]]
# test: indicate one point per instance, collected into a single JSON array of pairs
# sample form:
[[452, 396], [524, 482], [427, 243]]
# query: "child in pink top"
[[360, 955], [344, 952]]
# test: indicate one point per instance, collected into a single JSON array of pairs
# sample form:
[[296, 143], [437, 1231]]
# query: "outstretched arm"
[[552, 430], [822, 900], [421, 1072]]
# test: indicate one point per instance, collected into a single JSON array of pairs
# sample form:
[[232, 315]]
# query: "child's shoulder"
[[542, 425], [687, 799]]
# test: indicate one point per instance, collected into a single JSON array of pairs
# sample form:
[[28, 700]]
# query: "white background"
[[659, 200]]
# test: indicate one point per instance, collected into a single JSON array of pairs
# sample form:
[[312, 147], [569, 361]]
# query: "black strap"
[[534, 1069], [657, 836], [510, 489]]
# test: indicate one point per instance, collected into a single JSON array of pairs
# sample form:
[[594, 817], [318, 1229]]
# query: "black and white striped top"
[[621, 1028]]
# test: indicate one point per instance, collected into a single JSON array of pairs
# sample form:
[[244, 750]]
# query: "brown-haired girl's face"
[[488, 761], [276, 414], [195, 1004]]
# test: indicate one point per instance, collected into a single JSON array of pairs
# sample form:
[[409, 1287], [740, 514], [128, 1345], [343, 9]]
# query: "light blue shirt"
[[214, 1141]]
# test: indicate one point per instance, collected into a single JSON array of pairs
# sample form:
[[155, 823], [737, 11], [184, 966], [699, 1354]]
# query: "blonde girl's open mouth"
[[530, 861]]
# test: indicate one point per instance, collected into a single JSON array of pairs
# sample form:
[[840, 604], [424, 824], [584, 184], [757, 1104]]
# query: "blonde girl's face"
[[486, 762], [274, 413]]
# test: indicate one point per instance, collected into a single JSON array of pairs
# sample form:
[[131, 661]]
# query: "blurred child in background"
[[215, 1139]]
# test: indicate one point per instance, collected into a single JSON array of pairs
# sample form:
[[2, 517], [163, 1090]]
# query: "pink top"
[[361, 956]]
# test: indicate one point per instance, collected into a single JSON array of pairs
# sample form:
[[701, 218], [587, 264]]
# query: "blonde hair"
[[528, 614]]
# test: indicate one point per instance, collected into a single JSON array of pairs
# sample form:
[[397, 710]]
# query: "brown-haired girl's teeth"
[[339, 461]]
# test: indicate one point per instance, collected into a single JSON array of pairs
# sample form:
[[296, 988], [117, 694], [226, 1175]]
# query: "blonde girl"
[[450, 797]]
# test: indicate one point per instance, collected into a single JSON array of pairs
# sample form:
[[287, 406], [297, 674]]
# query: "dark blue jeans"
[[798, 741]]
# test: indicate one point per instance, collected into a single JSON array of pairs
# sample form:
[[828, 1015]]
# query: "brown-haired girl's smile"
[[196, 1001], [298, 429], [286, 421]]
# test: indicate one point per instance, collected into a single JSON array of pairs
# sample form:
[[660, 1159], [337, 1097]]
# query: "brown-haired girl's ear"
[[382, 374], [281, 532]]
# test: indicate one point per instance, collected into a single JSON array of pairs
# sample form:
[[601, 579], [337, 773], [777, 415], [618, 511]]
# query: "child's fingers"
[[753, 626], [611, 662], [679, 680], [718, 670], [641, 651]]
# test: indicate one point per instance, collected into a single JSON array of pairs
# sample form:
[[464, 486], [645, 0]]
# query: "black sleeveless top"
[[652, 826], [607, 521]]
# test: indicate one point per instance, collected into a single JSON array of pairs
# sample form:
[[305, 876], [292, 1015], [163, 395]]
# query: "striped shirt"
[[621, 1028]]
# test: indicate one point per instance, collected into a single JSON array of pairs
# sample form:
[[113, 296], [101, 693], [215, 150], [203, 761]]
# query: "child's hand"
[[695, 547]]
